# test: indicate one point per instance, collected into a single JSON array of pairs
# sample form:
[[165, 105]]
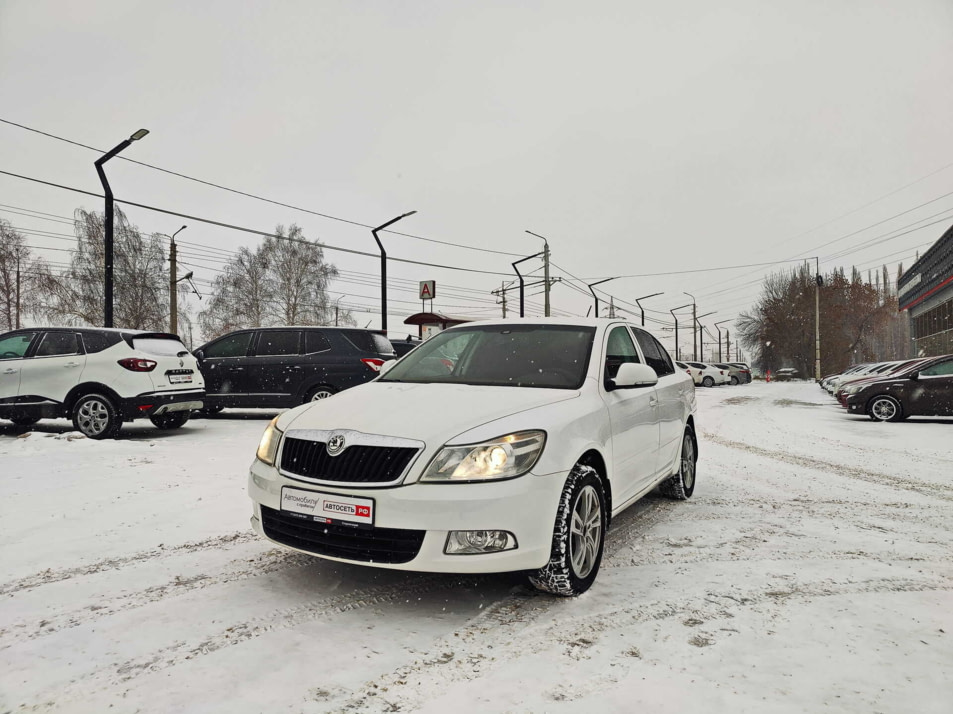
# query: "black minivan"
[[286, 366]]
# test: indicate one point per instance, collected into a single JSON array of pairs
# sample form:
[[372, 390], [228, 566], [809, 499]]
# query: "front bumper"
[[156, 403], [524, 506]]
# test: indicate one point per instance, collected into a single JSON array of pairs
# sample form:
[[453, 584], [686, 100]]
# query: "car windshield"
[[542, 356]]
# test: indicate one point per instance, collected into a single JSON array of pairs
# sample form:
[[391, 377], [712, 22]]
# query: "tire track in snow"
[[930, 490], [513, 625], [111, 676], [45, 577], [271, 561]]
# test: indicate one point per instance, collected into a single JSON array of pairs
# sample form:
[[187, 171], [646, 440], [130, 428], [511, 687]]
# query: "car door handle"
[[653, 401], [238, 369], [71, 364], [10, 371]]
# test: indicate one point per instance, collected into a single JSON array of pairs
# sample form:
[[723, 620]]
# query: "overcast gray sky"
[[639, 137]]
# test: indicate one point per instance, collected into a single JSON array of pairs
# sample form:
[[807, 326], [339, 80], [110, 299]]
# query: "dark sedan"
[[926, 390]]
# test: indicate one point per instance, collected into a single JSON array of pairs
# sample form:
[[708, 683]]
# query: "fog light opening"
[[476, 542]]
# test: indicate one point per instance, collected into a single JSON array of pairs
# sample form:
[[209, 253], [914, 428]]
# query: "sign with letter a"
[[428, 289]]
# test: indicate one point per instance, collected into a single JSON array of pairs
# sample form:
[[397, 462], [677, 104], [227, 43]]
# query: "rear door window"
[[315, 342], [58, 343], [232, 346], [277, 343]]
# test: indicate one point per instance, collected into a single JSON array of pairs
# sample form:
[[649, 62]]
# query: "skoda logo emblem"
[[335, 445]]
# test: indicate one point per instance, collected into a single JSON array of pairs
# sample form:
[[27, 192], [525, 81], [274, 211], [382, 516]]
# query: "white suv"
[[97, 377], [493, 446]]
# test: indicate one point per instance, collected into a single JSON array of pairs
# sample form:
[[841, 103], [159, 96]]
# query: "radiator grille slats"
[[356, 464]]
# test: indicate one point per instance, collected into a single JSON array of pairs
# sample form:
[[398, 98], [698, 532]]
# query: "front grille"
[[356, 464], [368, 545]]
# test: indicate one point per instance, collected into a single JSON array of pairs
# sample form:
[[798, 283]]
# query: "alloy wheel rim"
[[585, 532], [884, 409], [318, 396], [93, 417], [688, 462]]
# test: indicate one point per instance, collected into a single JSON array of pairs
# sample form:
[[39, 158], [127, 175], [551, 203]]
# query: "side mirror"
[[632, 374], [915, 375], [386, 367], [198, 354]]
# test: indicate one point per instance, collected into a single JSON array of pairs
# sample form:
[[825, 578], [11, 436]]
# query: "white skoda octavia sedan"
[[493, 446]]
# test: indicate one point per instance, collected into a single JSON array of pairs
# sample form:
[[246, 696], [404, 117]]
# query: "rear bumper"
[[155, 403]]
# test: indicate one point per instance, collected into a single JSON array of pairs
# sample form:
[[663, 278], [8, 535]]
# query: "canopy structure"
[[429, 323]]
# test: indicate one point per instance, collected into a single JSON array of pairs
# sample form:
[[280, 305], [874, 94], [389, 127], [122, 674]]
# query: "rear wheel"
[[884, 408], [95, 417], [578, 536], [681, 485], [172, 420], [734, 380], [210, 411], [708, 382], [318, 393]]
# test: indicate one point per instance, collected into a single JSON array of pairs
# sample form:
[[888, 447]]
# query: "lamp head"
[[187, 276], [138, 135]]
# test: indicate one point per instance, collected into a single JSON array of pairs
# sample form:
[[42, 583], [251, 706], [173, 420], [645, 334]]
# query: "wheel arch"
[[595, 460], [81, 390]]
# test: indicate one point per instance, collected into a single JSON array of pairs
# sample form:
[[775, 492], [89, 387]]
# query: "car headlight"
[[268, 446], [853, 389], [501, 458]]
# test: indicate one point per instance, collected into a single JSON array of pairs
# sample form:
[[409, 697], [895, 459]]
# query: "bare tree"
[[282, 282], [75, 296], [19, 278]]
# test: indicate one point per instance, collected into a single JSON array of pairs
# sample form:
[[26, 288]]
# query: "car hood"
[[426, 412]]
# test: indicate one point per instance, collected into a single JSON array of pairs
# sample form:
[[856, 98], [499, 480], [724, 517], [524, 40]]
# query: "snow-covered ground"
[[812, 571]]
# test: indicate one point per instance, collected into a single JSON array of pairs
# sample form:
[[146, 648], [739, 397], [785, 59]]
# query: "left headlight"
[[501, 458], [852, 389], [268, 446]]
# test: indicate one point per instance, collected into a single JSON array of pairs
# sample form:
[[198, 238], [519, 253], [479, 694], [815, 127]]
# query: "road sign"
[[428, 289]]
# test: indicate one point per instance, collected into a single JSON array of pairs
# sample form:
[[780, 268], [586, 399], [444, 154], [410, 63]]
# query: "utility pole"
[[545, 273], [173, 281], [719, 337], [728, 345], [611, 306], [18, 290], [502, 293]]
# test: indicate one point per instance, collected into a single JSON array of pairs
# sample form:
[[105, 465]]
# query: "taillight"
[[373, 363], [137, 364]]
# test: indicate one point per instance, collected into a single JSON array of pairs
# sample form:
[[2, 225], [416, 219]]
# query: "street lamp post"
[[384, 267], [644, 297], [818, 282], [545, 272], [108, 225], [591, 286], [701, 335], [694, 326], [719, 336], [520, 276], [675, 317], [173, 280]]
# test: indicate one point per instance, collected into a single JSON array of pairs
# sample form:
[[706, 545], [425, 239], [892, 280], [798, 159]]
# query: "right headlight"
[[852, 389], [268, 446], [501, 458]]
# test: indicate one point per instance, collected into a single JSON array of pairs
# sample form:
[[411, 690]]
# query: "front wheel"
[[173, 420], [578, 536], [884, 408], [95, 417], [681, 485]]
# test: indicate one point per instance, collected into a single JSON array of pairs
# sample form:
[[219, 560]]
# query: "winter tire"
[[708, 382], [316, 394], [578, 536], [25, 420], [884, 408], [172, 420], [95, 417], [681, 485]]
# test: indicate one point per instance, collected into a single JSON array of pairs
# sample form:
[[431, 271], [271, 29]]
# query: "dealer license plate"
[[180, 378], [328, 507]]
